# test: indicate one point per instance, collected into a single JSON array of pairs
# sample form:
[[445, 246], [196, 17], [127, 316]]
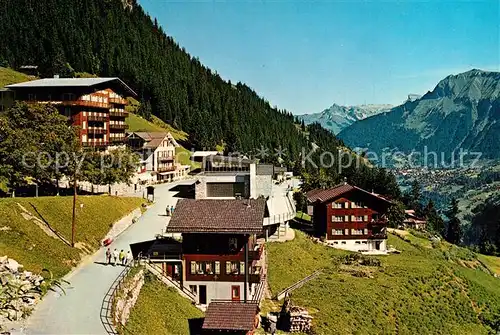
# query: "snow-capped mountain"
[[338, 117]]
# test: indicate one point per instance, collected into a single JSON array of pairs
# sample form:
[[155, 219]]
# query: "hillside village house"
[[413, 221], [157, 156], [237, 318], [219, 257], [350, 218], [95, 105]]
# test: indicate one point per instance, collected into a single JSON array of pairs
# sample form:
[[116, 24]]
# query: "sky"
[[304, 56]]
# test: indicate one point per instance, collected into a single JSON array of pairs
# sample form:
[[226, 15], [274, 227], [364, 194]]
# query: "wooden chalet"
[[349, 217], [219, 257], [413, 221], [95, 105]]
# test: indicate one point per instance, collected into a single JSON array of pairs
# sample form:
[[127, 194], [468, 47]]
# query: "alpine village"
[[142, 193]]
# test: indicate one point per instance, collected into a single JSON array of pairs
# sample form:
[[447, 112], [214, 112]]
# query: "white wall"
[[360, 246], [221, 290]]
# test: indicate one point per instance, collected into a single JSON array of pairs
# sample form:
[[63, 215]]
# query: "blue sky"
[[305, 55]]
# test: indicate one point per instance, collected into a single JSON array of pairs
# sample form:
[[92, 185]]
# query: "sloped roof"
[[218, 216], [319, 195], [154, 139], [232, 316], [70, 82]]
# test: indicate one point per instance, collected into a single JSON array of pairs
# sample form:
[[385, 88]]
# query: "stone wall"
[[126, 297], [264, 185]]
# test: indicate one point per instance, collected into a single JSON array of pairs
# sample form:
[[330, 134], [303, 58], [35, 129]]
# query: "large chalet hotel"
[[349, 217], [95, 105]]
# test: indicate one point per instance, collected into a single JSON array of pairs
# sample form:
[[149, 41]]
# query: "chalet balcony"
[[166, 159], [166, 169], [97, 130], [118, 126], [97, 118], [255, 255], [93, 143], [118, 114], [252, 277], [378, 236], [119, 101], [85, 103], [117, 139]]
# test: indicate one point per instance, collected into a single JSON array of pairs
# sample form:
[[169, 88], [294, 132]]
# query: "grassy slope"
[[161, 310], [9, 76], [28, 244], [422, 290]]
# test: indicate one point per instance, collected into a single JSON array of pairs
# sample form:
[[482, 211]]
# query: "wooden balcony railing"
[[97, 118], [117, 139], [166, 169], [91, 143], [85, 103], [256, 254], [119, 101], [97, 130], [166, 159], [118, 126], [118, 114]]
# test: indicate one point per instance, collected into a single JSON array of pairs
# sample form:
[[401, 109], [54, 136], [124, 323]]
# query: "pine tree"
[[453, 230]]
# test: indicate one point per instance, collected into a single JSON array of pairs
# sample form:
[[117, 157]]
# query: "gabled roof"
[[319, 195], [218, 216], [153, 139], [230, 316], [71, 82]]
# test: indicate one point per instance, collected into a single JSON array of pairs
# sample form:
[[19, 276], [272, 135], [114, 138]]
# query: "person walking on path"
[[122, 257], [172, 210], [128, 260], [115, 256], [108, 256], [168, 211]]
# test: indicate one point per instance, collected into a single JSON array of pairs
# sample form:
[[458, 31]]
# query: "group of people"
[[170, 210], [115, 256]]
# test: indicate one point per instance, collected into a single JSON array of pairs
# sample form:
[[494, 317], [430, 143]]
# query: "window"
[[193, 288], [232, 267], [217, 267], [346, 218], [337, 218], [337, 232], [356, 231], [357, 204], [337, 205], [346, 231], [193, 267], [233, 243], [228, 267], [84, 124], [358, 242], [242, 268], [31, 97], [356, 218], [365, 218], [343, 242], [366, 231], [364, 242], [335, 242], [346, 204]]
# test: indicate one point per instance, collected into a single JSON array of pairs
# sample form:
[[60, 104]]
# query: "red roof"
[[319, 195], [218, 216], [235, 316]]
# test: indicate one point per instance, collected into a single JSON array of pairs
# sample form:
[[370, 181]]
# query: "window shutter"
[[228, 267], [353, 232], [365, 218], [193, 267], [346, 231], [366, 231], [333, 218], [346, 218], [353, 218], [217, 267], [346, 204], [242, 268]]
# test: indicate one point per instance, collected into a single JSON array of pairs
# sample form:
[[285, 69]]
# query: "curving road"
[[78, 311]]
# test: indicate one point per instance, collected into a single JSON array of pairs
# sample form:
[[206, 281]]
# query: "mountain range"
[[336, 117], [462, 112]]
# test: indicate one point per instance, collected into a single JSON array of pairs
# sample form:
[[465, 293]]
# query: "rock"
[[13, 265], [27, 274], [3, 259]]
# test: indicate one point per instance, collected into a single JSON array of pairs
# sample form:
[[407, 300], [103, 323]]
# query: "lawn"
[[303, 216], [24, 241], [9, 76], [161, 310], [137, 123], [492, 262], [422, 290]]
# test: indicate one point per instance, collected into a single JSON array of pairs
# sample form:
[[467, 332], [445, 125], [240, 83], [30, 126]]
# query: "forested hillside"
[[103, 37]]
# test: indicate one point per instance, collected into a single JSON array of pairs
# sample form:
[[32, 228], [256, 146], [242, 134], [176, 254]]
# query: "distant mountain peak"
[[337, 117]]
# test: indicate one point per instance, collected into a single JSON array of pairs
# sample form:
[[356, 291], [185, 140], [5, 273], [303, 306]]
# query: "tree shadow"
[[62, 238], [195, 326], [184, 191]]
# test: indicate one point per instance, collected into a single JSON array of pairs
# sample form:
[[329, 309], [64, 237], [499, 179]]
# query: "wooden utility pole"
[[73, 221]]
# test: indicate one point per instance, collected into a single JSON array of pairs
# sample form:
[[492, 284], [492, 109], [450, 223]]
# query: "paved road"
[[78, 312]]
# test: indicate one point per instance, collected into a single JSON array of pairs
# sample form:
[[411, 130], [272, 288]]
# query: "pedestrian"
[[108, 256], [168, 211], [122, 257], [129, 258], [172, 210], [115, 256]]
